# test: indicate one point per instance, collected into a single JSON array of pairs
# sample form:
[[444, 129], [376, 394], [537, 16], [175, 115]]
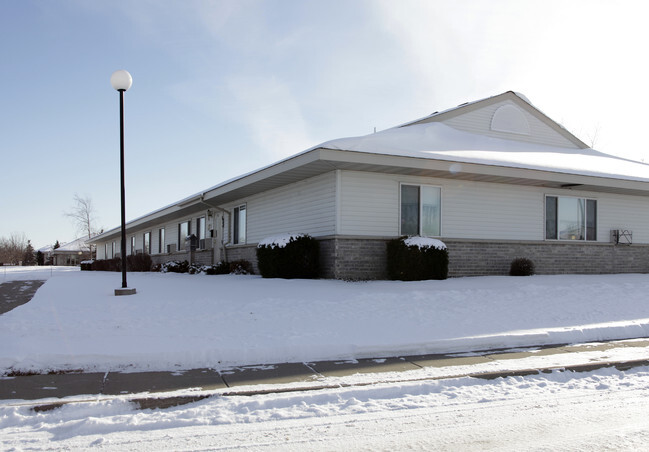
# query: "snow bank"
[[530, 413]]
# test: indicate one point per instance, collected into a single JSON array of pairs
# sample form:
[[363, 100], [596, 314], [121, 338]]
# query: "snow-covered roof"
[[73, 246], [438, 141]]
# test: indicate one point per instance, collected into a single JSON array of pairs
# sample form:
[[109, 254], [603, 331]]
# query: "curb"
[[164, 402]]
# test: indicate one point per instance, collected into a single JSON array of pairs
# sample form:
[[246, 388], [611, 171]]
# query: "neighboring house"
[[47, 254], [71, 253], [494, 179]]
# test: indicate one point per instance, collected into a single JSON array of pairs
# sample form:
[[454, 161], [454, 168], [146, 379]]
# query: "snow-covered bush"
[[521, 266], [86, 265], [417, 258], [195, 269], [175, 267], [288, 256]]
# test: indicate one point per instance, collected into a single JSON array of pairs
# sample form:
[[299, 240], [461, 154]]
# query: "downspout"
[[224, 211]]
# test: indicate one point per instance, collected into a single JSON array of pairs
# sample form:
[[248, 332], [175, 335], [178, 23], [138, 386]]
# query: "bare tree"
[[592, 136], [83, 215], [12, 249]]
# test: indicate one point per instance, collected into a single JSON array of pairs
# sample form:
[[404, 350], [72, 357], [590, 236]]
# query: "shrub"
[[86, 265], [139, 262], [107, 265], [288, 256], [240, 267], [222, 268], [417, 258], [175, 267], [195, 269], [521, 266]]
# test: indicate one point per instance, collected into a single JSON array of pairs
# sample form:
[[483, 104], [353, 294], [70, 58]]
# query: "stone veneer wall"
[[202, 257], [243, 252], [361, 259], [467, 258], [354, 258]]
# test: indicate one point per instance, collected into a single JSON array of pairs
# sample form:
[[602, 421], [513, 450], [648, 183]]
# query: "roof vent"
[[510, 119]]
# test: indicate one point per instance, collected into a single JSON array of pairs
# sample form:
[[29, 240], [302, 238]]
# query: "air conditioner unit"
[[621, 236], [171, 248]]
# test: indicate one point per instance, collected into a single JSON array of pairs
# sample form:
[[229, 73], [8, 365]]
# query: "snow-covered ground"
[[182, 321], [185, 321]]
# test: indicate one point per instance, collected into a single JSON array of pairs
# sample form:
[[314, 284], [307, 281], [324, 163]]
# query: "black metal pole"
[[121, 164]]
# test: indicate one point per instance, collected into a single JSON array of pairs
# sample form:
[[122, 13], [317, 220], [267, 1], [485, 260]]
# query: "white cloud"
[[269, 110]]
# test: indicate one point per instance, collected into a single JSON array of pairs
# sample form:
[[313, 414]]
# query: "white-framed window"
[[146, 243], [200, 229], [112, 250], [239, 225], [570, 218], [184, 229], [132, 244], [420, 210], [161, 240]]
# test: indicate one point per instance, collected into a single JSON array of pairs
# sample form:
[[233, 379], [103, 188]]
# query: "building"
[[71, 253], [495, 179]]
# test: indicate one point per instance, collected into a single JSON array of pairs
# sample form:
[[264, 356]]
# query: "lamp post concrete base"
[[126, 291]]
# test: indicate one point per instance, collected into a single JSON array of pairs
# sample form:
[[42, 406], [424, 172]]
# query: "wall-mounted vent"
[[621, 236]]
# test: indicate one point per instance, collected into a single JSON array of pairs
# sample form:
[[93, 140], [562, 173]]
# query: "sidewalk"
[[17, 293], [148, 388]]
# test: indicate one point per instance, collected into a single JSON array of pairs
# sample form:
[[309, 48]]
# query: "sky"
[[221, 88]]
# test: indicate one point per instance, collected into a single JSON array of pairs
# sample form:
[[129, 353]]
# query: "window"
[[239, 225], [183, 233], [421, 210], [112, 251], [569, 218], [161, 240], [146, 240], [105, 250], [200, 229], [132, 244]]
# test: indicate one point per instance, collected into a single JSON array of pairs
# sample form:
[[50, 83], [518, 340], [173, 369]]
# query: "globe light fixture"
[[121, 81]]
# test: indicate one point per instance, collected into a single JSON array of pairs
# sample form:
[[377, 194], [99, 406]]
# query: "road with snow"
[[601, 410]]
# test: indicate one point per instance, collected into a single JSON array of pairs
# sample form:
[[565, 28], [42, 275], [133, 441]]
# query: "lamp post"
[[121, 80]]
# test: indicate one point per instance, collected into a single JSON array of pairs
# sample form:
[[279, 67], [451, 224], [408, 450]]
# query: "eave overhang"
[[321, 160]]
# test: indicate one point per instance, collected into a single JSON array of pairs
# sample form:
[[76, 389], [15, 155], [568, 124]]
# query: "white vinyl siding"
[[308, 206], [492, 211], [479, 121], [370, 206], [623, 212]]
